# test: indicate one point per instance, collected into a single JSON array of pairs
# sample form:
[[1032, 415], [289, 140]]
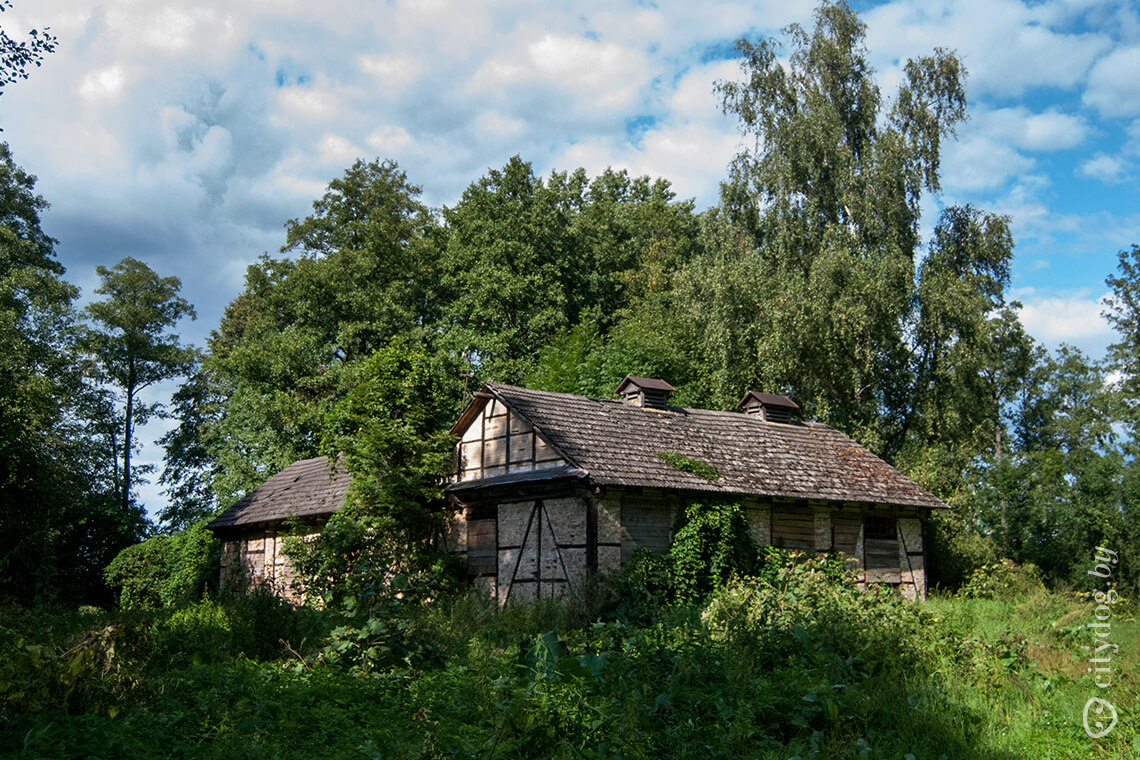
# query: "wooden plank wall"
[[498, 442], [793, 528], [538, 548], [847, 535], [646, 521]]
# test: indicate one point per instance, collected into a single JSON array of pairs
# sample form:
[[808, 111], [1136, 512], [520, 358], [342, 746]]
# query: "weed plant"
[[793, 661]]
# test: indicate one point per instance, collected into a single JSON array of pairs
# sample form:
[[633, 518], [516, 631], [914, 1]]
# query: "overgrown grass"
[[791, 665]]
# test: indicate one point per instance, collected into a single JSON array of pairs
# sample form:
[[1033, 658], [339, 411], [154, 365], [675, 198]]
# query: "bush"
[[796, 600], [165, 570], [1002, 580]]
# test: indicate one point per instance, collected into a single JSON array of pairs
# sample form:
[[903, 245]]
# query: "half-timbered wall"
[[259, 558], [539, 548], [498, 442]]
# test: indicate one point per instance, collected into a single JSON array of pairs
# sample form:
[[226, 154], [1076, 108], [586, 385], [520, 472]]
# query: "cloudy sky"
[[185, 133]]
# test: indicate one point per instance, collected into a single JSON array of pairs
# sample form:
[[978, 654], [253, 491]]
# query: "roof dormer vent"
[[647, 392], [768, 406]]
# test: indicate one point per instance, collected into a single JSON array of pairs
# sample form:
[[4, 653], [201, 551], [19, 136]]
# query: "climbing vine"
[[711, 544]]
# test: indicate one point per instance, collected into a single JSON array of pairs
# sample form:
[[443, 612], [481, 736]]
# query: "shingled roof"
[[303, 489], [618, 444]]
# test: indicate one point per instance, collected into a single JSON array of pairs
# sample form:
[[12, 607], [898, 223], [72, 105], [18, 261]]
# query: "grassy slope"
[[753, 677]]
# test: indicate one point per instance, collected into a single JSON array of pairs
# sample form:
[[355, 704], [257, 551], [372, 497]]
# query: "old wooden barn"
[[554, 486], [305, 494], [549, 488]]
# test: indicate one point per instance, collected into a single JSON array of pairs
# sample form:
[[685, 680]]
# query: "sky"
[[186, 133]]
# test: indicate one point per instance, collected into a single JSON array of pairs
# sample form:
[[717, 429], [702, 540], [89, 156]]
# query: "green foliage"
[[189, 470], [283, 354], [1002, 580], [810, 282], [165, 570], [795, 663], [53, 421], [130, 343], [711, 545], [643, 585], [380, 553], [688, 464], [528, 260], [392, 431]]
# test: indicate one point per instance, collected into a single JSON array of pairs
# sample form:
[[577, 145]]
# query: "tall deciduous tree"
[[823, 280], [58, 523], [130, 340], [506, 271], [364, 274], [1122, 309], [188, 469]]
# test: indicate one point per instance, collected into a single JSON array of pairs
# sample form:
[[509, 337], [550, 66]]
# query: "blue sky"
[[186, 133]]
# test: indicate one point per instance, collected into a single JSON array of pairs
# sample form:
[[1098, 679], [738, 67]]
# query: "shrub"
[[1002, 580], [165, 570], [810, 604], [640, 588]]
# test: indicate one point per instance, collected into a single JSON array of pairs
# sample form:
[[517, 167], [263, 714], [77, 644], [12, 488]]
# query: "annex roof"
[[618, 444], [303, 489]]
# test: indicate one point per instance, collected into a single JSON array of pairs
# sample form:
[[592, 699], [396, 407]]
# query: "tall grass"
[[791, 665]]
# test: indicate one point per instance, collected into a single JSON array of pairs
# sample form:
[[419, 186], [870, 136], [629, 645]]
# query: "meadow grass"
[[793, 669]]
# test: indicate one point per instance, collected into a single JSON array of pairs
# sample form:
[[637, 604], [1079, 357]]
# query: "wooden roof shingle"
[[303, 489], [618, 444]]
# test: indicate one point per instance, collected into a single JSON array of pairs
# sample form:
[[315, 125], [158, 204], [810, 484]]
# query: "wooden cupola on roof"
[[647, 392], [768, 406]]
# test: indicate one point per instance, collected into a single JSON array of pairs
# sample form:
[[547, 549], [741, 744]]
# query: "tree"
[[390, 431], [17, 55], [131, 345], [507, 268], [188, 470], [368, 259], [364, 274], [1122, 309], [57, 527], [819, 253], [528, 260]]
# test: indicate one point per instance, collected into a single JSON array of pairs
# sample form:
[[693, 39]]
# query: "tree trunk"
[[127, 436]]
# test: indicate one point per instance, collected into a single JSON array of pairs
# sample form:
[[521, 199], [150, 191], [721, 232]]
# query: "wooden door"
[[547, 553]]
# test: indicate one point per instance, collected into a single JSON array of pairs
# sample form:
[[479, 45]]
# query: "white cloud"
[[1114, 88], [389, 139], [337, 151], [170, 30], [595, 76], [308, 103], [498, 126], [104, 84], [1065, 317], [1108, 169], [1008, 46], [1050, 130], [392, 72], [979, 163]]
